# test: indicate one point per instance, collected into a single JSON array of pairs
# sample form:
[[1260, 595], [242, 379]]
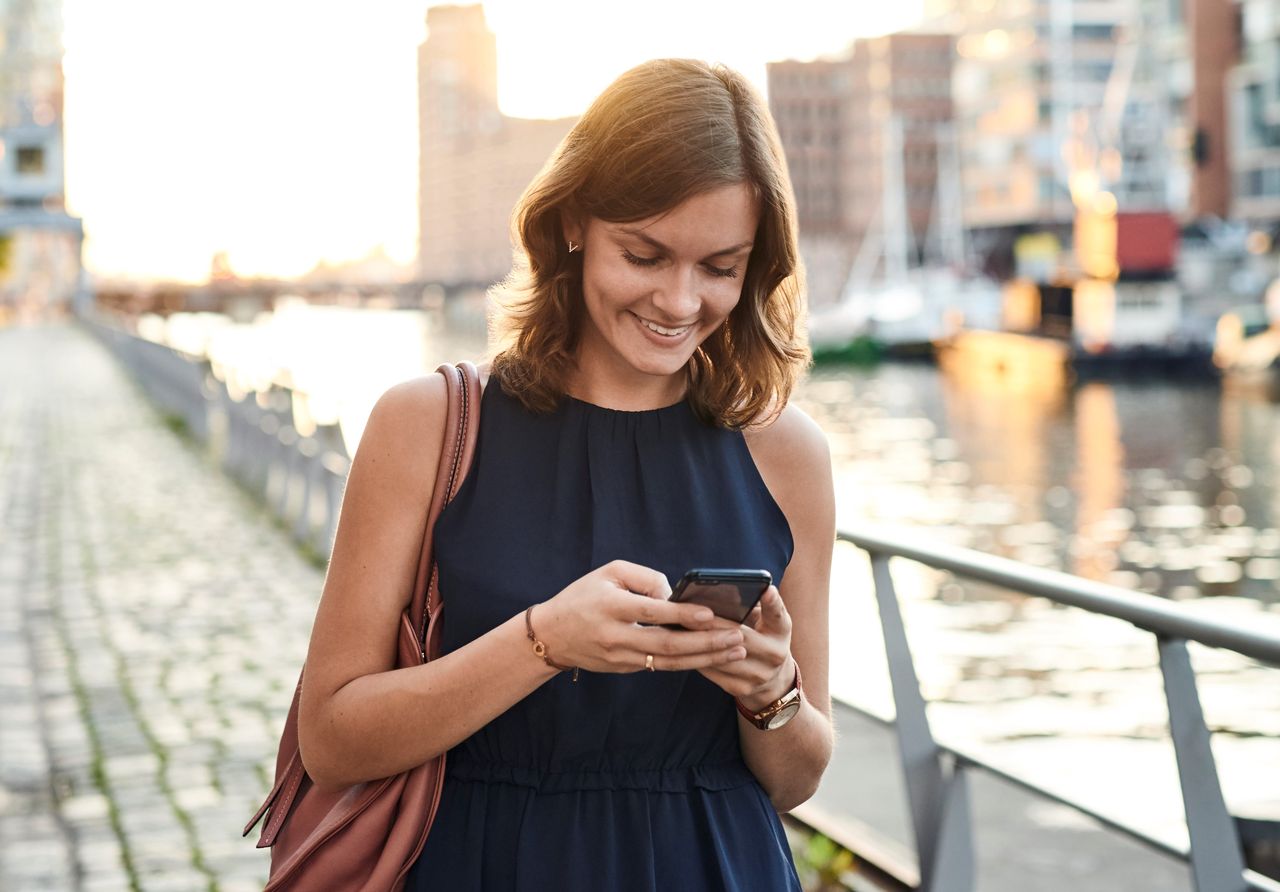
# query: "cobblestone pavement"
[[152, 623]]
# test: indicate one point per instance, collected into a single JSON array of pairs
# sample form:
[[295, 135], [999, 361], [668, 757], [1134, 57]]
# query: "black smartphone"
[[729, 593]]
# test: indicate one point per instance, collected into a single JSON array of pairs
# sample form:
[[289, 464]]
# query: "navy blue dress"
[[617, 782]]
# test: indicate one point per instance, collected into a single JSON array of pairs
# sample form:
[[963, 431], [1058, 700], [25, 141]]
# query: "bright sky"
[[285, 132]]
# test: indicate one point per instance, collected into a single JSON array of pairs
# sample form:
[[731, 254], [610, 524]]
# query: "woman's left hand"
[[766, 673]]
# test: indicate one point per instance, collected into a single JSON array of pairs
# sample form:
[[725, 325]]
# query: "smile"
[[662, 330]]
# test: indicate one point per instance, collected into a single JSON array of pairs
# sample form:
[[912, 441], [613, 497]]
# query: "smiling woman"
[[635, 425]]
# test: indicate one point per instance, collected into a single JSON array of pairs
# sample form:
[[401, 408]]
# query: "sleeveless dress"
[[628, 782]]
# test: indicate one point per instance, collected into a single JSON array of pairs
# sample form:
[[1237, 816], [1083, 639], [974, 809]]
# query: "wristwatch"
[[780, 711]]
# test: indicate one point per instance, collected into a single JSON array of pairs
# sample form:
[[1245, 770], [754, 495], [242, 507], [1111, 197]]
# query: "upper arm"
[[795, 462], [379, 539]]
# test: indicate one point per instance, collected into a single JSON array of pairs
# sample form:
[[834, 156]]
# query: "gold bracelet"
[[540, 649]]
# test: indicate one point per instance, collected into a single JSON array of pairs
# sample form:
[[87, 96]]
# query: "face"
[[656, 288]]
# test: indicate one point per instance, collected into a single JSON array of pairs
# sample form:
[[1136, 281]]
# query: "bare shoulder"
[[415, 406], [794, 460], [403, 436], [792, 443]]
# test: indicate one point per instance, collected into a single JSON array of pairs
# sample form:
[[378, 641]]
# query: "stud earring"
[[574, 246]]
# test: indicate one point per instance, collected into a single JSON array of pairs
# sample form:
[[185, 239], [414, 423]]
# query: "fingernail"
[[703, 616], [730, 638]]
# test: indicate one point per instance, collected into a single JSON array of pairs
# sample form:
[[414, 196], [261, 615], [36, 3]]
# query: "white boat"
[[885, 300]]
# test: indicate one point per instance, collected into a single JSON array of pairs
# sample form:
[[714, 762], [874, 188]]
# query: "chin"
[[663, 367], [662, 363]]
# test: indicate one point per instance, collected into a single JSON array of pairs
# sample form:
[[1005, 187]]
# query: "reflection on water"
[[1160, 486], [1165, 487]]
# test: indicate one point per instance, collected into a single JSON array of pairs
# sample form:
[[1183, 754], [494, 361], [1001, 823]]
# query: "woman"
[[635, 426]]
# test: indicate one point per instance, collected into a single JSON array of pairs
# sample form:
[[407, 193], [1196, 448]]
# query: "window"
[[1271, 181], [1092, 31], [1254, 181], [31, 160]]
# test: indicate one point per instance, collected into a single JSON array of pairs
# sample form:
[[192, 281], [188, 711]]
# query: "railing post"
[[1217, 862], [335, 468], [309, 459], [939, 803]]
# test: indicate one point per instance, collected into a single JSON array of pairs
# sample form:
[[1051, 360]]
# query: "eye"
[[639, 261], [722, 272]]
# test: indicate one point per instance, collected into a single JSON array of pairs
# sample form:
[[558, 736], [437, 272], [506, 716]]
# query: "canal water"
[[1166, 486]]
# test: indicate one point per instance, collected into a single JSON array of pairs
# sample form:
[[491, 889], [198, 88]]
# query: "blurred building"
[[900, 116], [40, 244], [474, 162], [861, 136], [1212, 30], [1255, 115], [810, 104], [1031, 97], [1059, 101]]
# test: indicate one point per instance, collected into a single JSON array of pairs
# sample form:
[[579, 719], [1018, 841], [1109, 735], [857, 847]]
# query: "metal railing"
[[935, 775], [254, 438]]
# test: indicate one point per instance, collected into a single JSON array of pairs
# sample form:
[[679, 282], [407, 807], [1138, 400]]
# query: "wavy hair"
[[662, 132]]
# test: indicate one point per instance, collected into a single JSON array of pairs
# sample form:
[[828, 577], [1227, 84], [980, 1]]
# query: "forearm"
[[381, 724], [788, 761]]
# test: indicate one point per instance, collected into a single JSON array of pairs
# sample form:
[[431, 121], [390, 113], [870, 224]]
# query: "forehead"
[[703, 223]]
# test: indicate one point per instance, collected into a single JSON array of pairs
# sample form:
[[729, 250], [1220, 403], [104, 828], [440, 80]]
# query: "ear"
[[571, 226]]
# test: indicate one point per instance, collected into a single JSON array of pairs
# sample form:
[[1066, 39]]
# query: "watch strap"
[[761, 719]]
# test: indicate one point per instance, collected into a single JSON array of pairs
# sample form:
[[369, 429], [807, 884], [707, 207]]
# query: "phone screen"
[[730, 594]]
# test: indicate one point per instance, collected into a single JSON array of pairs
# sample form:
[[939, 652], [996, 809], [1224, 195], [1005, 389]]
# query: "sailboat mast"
[[894, 204]]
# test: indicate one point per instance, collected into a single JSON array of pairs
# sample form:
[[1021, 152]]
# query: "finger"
[[668, 643], [636, 578], [657, 612], [703, 661]]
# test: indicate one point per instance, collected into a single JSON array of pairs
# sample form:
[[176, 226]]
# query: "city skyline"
[[220, 131]]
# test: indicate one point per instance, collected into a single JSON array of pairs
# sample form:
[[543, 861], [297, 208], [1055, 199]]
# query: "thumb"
[[773, 613]]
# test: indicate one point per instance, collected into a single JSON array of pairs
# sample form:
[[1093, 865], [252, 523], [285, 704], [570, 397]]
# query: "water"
[[1167, 487]]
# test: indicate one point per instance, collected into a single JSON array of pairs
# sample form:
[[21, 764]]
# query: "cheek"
[[608, 282], [723, 298]]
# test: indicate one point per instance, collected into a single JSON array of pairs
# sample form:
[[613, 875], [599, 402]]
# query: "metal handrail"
[[299, 478], [936, 775], [1145, 611]]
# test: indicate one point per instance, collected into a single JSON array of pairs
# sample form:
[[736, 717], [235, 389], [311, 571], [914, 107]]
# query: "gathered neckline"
[[570, 399]]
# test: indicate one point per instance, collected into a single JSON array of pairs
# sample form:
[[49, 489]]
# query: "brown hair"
[[662, 132]]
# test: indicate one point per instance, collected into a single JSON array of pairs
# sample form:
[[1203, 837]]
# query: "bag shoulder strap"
[[462, 424]]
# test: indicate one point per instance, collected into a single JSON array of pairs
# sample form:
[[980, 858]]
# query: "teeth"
[[664, 331]]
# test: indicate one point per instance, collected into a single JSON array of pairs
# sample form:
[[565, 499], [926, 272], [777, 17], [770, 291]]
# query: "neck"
[[632, 393]]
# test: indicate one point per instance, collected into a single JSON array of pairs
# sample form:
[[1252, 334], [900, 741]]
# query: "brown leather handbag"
[[366, 837]]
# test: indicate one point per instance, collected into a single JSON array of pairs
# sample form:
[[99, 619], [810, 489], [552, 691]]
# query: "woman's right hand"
[[595, 624]]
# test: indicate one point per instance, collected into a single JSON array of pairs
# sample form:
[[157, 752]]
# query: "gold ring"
[[648, 662]]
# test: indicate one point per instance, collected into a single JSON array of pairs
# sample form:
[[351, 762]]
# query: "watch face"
[[784, 715]]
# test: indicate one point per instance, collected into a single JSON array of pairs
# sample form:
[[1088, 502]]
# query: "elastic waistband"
[[723, 776]]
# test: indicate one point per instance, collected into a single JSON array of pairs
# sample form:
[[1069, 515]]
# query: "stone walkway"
[[152, 623]]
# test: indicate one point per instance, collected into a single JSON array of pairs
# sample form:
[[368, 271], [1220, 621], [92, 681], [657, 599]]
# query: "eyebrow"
[[661, 247]]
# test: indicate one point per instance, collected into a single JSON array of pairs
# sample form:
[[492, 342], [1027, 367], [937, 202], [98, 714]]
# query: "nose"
[[678, 297]]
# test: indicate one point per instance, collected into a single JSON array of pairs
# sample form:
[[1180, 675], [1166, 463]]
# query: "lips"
[[663, 330]]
